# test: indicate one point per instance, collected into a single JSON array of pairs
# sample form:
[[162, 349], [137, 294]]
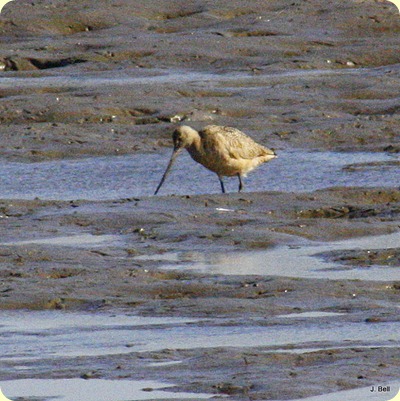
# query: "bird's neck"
[[195, 143]]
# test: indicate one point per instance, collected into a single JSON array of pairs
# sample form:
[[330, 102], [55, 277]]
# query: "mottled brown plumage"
[[224, 150]]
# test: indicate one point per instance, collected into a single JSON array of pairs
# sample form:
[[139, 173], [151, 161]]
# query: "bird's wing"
[[232, 142]]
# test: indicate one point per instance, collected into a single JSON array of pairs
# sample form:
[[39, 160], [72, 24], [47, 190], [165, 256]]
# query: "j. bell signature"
[[380, 389]]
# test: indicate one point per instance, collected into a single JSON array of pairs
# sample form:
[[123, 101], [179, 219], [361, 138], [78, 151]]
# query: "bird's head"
[[184, 137]]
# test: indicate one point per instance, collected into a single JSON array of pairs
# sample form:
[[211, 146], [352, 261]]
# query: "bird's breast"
[[223, 164]]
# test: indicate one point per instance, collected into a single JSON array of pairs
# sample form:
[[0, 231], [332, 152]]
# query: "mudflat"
[[285, 291]]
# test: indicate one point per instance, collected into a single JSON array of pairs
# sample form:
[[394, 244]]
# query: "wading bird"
[[225, 151]]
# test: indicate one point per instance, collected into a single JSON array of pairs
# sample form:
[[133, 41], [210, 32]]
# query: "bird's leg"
[[222, 184], [240, 182]]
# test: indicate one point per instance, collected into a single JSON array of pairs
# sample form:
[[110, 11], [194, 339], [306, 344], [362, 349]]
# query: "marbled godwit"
[[225, 151]]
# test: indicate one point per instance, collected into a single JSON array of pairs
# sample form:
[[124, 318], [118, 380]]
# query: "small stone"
[[175, 119], [373, 319], [87, 375]]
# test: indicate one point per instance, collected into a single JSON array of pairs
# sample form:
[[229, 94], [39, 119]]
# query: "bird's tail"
[[270, 152]]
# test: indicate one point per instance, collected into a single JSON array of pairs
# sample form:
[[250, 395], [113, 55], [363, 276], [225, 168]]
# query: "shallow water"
[[38, 320], [82, 240], [105, 178], [30, 336], [93, 390], [118, 78], [160, 76], [305, 350], [315, 314], [49, 334], [288, 261]]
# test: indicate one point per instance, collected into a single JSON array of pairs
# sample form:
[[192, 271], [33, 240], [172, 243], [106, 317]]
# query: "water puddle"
[[50, 333], [299, 351], [72, 240], [93, 390], [156, 76], [163, 364], [50, 320], [308, 315], [45, 338], [105, 178], [288, 261], [30, 336], [120, 78]]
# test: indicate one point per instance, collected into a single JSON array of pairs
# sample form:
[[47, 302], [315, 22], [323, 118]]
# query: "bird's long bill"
[[175, 153]]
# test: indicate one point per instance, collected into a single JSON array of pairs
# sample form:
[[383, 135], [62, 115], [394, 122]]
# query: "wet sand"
[[82, 81]]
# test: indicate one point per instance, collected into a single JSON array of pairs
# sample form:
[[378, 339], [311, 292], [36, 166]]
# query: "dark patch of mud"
[[386, 257], [28, 64]]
